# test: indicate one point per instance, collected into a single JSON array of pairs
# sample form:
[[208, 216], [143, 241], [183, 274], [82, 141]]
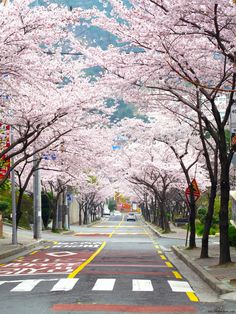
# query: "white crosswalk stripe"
[[142, 285], [101, 284], [180, 286], [104, 284], [65, 284], [26, 285]]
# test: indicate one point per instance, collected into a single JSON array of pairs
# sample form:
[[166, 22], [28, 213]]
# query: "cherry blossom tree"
[[183, 53]]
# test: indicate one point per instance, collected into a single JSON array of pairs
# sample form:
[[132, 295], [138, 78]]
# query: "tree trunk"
[[208, 222], [224, 219], [192, 216], [18, 207]]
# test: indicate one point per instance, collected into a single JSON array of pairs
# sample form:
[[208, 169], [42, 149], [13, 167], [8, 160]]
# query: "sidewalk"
[[222, 279], [25, 243]]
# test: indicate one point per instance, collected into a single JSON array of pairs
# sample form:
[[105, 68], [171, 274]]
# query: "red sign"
[[194, 188], [4, 143]]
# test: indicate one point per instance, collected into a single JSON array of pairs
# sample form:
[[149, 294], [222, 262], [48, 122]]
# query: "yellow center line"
[[77, 270], [192, 296], [159, 252], [116, 227]]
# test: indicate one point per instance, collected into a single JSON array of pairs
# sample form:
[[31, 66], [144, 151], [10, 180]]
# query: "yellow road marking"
[[192, 296], [33, 252], [157, 246], [177, 275], [77, 270], [47, 247], [163, 257], [2, 264], [169, 264], [116, 227], [159, 252], [55, 242]]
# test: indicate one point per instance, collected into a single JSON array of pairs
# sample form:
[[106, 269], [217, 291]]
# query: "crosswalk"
[[100, 284]]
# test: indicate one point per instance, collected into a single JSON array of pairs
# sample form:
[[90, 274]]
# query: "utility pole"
[[13, 196], [37, 200], [66, 208]]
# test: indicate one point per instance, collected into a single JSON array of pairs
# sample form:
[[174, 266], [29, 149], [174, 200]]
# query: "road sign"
[[194, 188], [116, 147]]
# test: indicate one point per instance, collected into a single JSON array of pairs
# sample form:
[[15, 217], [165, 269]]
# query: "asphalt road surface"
[[116, 266]]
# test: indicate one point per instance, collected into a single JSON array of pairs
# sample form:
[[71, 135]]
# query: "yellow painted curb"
[[192, 296], [177, 274], [169, 264], [33, 252]]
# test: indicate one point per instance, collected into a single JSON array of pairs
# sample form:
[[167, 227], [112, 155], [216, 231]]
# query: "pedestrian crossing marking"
[[65, 284], [142, 285], [180, 286], [26, 285], [101, 284], [192, 297], [104, 284]]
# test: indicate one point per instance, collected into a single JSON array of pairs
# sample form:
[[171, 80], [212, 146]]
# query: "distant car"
[[117, 213], [131, 217]]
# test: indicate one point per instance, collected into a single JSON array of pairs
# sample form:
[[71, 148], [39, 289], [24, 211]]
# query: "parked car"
[[131, 217]]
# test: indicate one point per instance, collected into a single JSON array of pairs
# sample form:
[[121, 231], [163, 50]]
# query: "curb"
[[214, 283], [21, 248]]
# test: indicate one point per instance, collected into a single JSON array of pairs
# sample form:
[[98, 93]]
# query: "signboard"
[[116, 147], [194, 188], [4, 143]]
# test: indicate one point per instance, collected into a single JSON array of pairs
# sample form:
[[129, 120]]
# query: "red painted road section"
[[92, 234], [46, 263], [147, 273], [124, 308]]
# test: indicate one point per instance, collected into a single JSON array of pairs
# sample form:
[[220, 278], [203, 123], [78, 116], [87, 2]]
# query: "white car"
[[117, 213], [131, 217]]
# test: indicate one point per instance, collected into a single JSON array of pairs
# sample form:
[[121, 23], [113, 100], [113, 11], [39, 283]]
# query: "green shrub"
[[4, 206], [201, 214], [232, 235], [199, 229]]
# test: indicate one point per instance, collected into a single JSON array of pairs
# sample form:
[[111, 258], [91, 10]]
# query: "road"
[[115, 266]]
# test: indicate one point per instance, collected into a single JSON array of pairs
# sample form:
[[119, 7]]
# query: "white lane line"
[[104, 284], [142, 285], [2, 282], [65, 284], [26, 285], [180, 286]]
